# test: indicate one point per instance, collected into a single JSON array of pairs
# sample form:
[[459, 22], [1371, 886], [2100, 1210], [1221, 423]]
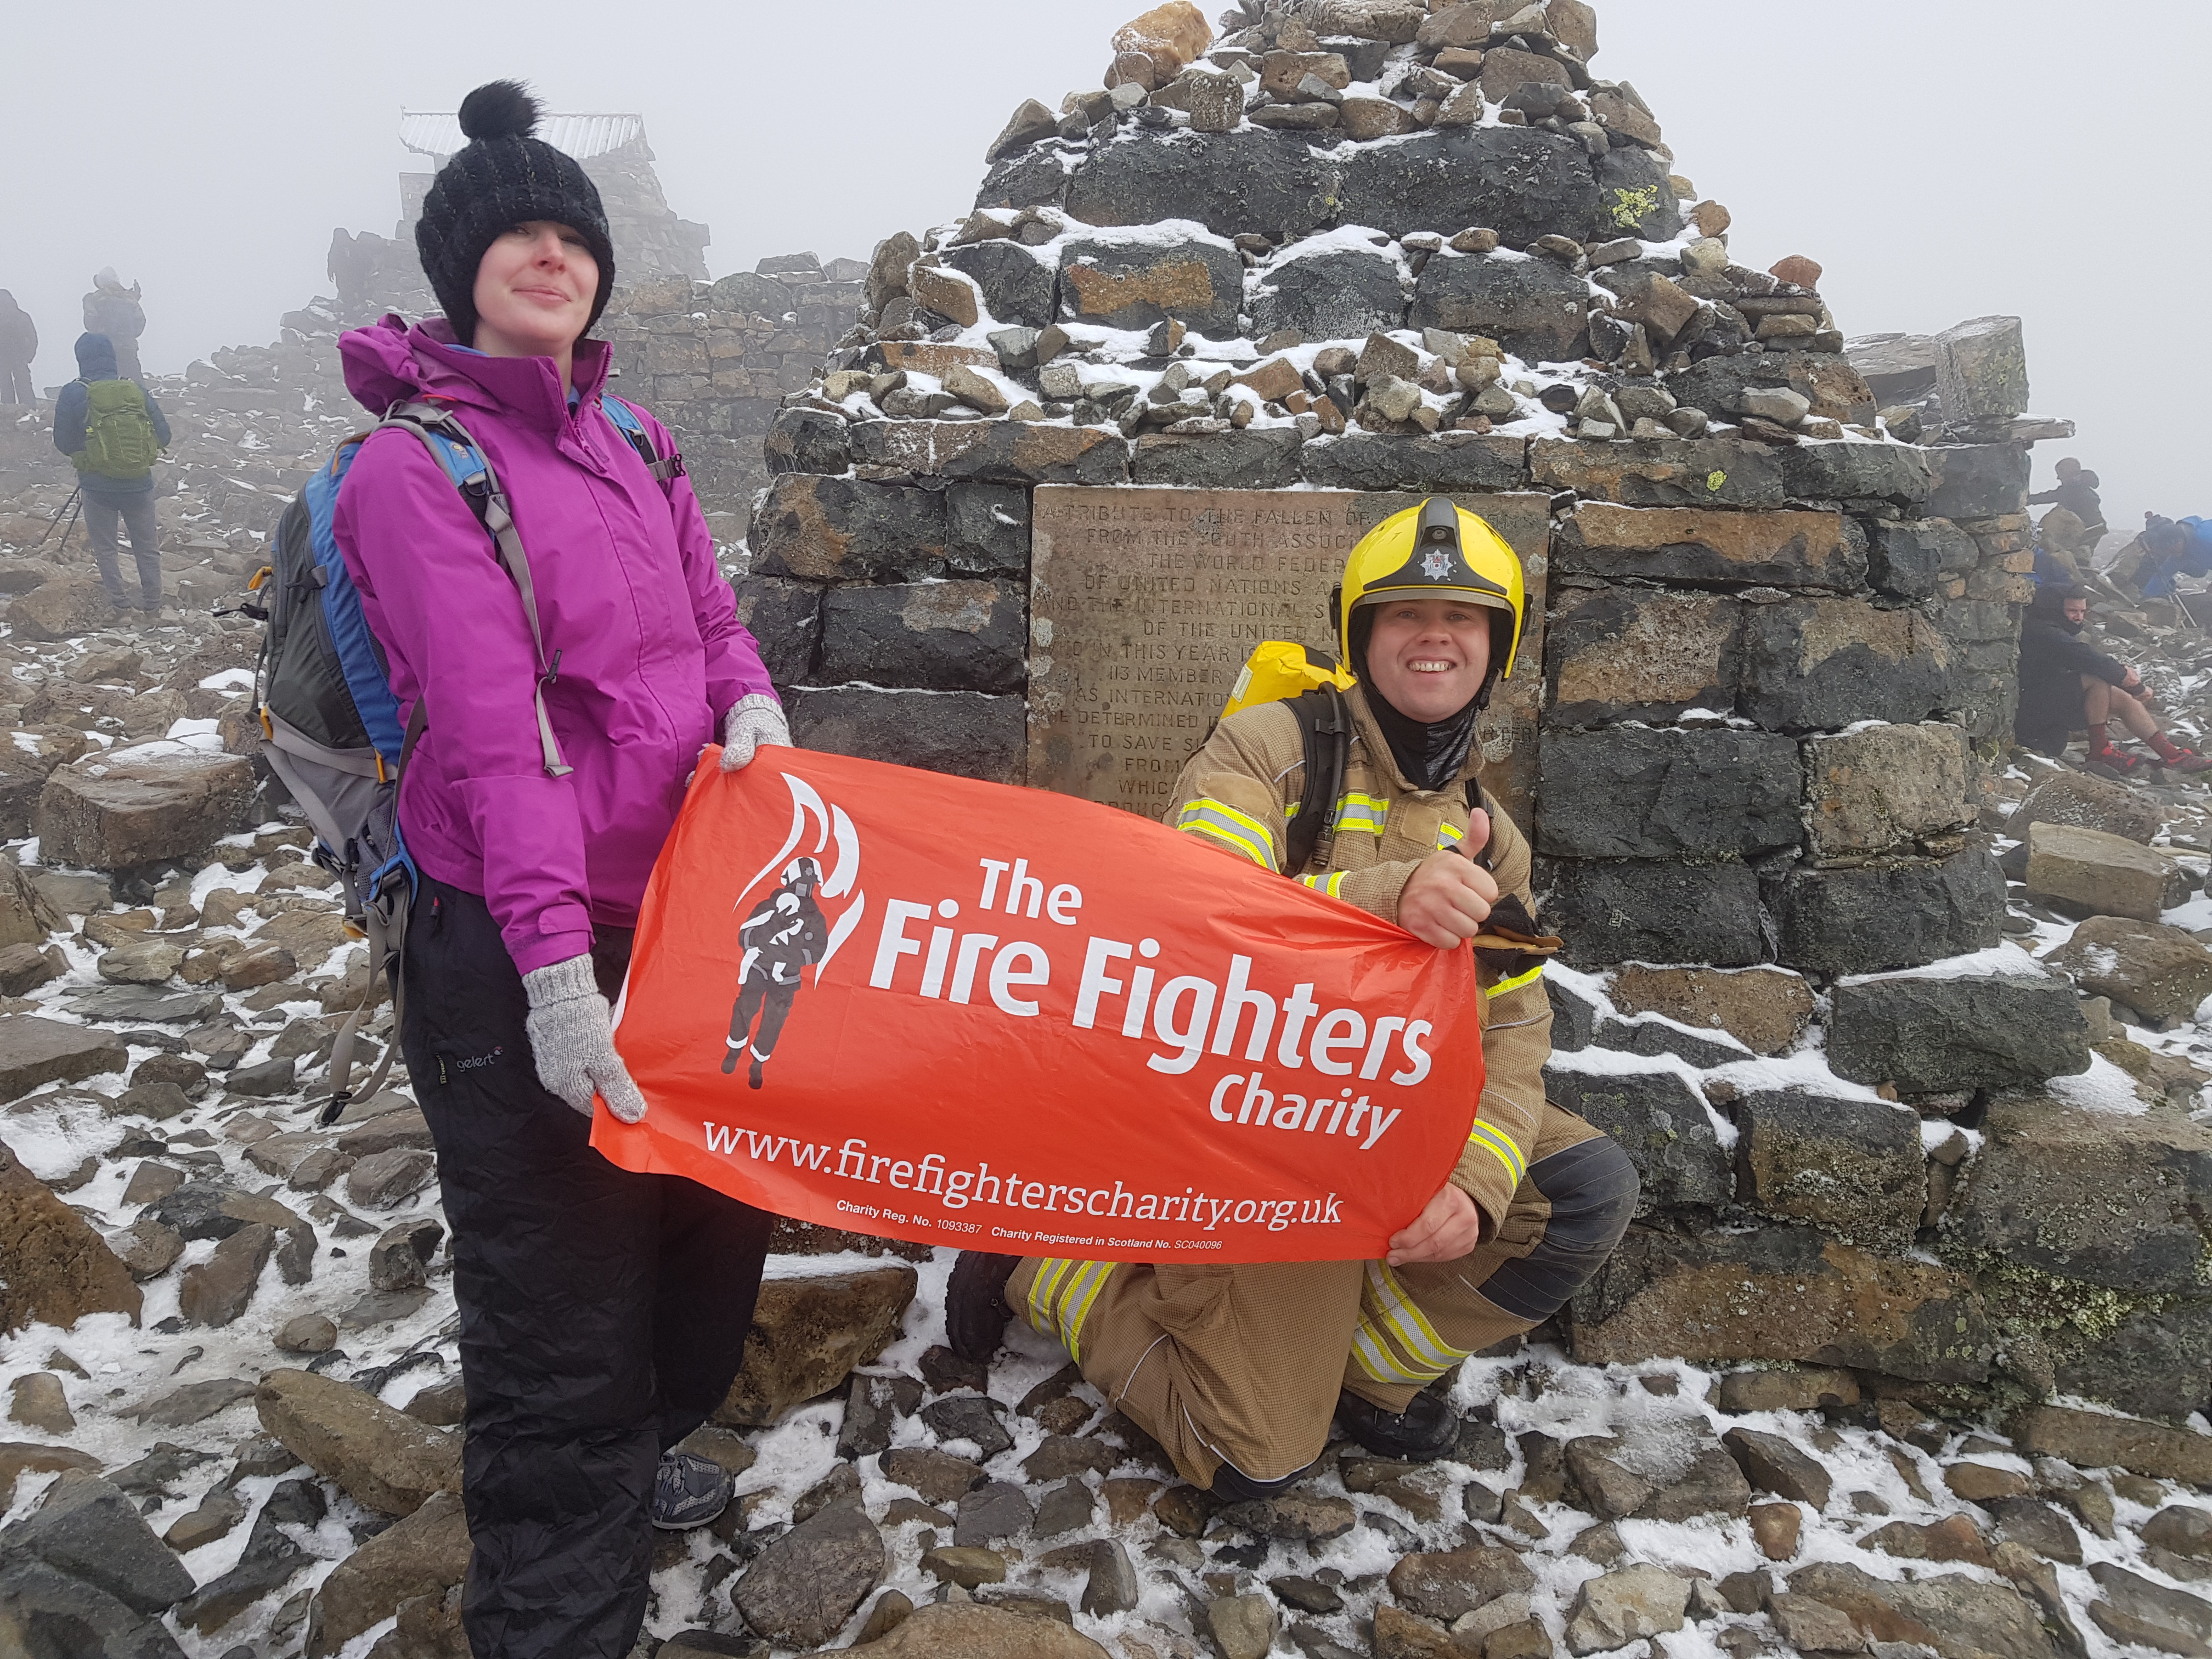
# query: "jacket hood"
[[96, 357], [389, 362]]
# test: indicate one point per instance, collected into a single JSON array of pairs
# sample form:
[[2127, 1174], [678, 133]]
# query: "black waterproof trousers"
[[602, 1314]]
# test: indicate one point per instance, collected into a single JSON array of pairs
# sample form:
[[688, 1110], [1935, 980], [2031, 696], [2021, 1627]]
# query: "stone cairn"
[[1363, 245]]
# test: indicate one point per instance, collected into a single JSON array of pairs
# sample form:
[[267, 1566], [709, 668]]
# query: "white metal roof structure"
[[429, 133]]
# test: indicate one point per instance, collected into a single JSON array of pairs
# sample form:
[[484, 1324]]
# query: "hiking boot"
[[687, 1490], [2117, 764], [2187, 761], [976, 1315], [1427, 1429], [1233, 1486]]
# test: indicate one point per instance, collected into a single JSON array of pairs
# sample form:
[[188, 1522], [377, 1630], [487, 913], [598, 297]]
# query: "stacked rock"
[[1365, 247]]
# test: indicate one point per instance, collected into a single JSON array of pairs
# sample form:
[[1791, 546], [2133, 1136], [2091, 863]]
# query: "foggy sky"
[[1943, 159]]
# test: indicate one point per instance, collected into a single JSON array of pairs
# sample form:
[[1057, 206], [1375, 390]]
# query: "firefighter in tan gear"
[[1237, 1370]]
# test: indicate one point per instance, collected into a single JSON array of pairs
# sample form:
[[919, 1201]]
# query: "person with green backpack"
[[113, 432]]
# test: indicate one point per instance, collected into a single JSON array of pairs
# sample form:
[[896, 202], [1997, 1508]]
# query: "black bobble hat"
[[501, 177]]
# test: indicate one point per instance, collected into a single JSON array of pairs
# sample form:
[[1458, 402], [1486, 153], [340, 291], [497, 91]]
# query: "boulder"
[[1852, 1168], [2091, 872], [1521, 183], [1958, 1616], [972, 1631], [2108, 1199], [1974, 481], [1116, 283], [1910, 559], [2160, 971], [1016, 285], [1450, 462], [425, 1553], [1448, 1583], [63, 608], [1272, 184], [943, 636], [1879, 789], [1991, 1021], [35, 1051], [58, 1268], [1261, 459], [1535, 308], [1815, 665], [2094, 1440], [385, 1460], [1632, 792], [1622, 653], [1765, 1009], [1335, 293], [847, 529], [1982, 372], [995, 451], [1653, 910], [2155, 1361], [215, 1291], [1656, 1472], [1712, 1298], [88, 1530], [1772, 1463], [1660, 1122], [2074, 798], [1885, 914], [1617, 1607], [804, 1585], [112, 814], [967, 733], [1701, 548], [807, 1336], [37, 1602], [1663, 472]]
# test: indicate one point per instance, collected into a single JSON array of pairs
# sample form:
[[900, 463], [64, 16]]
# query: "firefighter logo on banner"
[[1043, 1026]]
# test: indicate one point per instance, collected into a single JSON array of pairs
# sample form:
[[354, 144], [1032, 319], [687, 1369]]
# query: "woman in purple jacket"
[[602, 1314]]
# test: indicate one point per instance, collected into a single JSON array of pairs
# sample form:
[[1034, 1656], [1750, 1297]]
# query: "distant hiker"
[[2077, 493], [2068, 688], [113, 432], [602, 1314], [113, 310], [19, 346], [783, 936], [2172, 549]]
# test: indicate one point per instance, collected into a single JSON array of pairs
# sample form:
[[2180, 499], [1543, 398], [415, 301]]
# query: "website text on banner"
[[927, 1008]]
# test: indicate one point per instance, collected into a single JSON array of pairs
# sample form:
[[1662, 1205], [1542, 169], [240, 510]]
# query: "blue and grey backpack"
[[330, 720]]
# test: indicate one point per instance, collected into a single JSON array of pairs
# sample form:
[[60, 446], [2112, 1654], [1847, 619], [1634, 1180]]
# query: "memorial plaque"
[[1145, 603]]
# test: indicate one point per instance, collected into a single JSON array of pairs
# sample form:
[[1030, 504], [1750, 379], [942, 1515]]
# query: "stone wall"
[[1778, 652]]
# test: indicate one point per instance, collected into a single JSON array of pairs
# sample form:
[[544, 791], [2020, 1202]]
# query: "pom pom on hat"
[[500, 109]]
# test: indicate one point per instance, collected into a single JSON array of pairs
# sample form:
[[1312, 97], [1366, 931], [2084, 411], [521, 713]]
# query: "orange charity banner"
[[960, 1013]]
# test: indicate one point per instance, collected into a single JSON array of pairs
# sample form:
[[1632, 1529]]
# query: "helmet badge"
[[1435, 564]]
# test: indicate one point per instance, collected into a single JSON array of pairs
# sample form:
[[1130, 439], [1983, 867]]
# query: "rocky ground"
[[233, 1378]]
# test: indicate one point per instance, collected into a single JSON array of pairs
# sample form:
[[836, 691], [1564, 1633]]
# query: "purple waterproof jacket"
[[652, 655]]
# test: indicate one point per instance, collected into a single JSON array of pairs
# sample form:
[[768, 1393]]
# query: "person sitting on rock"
[[2070, 689], [1237, 1370], [2077, 494]]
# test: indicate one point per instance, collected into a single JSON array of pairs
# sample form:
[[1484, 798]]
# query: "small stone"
[[1810, 1626], [147, 1249], [995, 1510], [1617, 1607], [1067, 1507], [965, 1566], [2183, 1529], [1797, 271], [1242, 1627], [1775, 1527], [215, 1291], [1980, 1483], [805, 1586], [37, 1400], [217, 1515], [970, 1416], [972, 389], [1773, 1464], [938, 1476], [1776, 403], [1475, 239], [400, 1258], [385, 1179]]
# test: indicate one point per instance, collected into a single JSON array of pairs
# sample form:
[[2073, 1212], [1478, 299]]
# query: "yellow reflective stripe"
[[1378, 1365], [1364, 813], [1041, 1291], [1448, 837], [1502, 1145], [1517, 982], [1233, 829], [1410, 1325], [1330, 884], [1075, 1307]]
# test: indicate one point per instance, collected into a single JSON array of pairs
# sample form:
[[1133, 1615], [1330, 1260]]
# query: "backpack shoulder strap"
[[1325, 724], [628, 421], [470, 469]]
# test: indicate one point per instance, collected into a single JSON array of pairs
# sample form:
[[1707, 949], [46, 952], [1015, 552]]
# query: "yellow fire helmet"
[[1436, 548]]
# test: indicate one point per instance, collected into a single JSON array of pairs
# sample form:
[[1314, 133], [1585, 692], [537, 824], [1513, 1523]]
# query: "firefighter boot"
[[1427, 1429], [976, 1315]]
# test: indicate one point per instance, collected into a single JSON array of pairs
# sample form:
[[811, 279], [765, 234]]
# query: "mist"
[[1941, 163]]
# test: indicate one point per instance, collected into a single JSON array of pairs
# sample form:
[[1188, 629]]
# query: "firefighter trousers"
[[1242, 1364]]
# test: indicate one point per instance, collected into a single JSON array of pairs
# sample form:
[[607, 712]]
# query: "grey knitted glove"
[[572, 1038], [750, 722]]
